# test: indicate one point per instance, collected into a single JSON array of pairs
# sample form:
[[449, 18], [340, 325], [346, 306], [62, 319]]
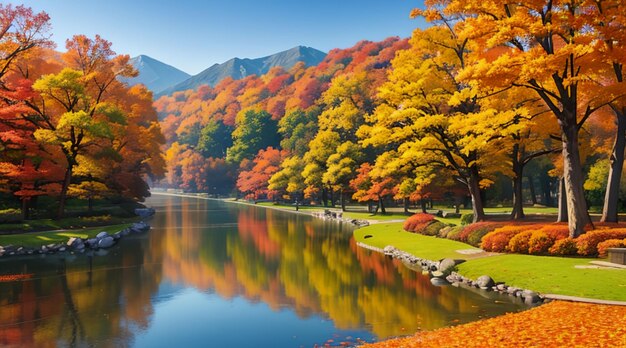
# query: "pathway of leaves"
[[557, 324]]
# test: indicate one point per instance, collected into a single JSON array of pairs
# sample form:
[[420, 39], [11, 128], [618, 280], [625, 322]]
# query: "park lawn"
[[350, 213], [545, 274], [550, 275], [35, 239], [425, 247]]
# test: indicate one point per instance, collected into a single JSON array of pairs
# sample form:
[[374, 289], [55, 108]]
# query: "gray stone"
[[144, 212], [62, 249], [438, 282], [437, 274], [117, 235], [501, 287], [102, 235], [92, 242], [106, 242], [530, 297], [446, 265], [485, 281]]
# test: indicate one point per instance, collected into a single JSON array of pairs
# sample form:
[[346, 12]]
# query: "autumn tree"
[[254, 182], [552, 50], [254, 130]]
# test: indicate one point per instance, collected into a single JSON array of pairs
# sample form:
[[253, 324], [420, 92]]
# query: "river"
[[215, 274]]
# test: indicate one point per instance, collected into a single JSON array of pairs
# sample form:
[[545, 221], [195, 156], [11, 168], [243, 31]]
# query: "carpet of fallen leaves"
[[556, 324]]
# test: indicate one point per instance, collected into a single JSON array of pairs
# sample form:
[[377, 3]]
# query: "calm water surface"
[[213, 274]]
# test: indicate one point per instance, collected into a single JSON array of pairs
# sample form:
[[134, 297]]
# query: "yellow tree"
[[431, 121], [550, 48]]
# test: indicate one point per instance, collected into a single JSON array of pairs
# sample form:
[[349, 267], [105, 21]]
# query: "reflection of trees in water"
[[79, 300], [309, 265]]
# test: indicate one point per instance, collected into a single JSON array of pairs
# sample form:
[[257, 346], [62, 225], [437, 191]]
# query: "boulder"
[[139, 227], [438, 282], [144, 212], [530, 297], [106, 242], [102, 235], [485, 282], [437, 274], [92, 242], [446, 265]]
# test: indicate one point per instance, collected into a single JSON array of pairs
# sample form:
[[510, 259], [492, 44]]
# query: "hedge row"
[[523, 238]]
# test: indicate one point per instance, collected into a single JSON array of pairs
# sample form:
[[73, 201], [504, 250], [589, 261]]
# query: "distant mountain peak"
[[238, 68], [155, 75]]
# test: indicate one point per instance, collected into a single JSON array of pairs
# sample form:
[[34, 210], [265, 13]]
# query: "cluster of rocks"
[[486, 283], [145, 212], [410, 259], [338, 216], [443, 273], [102, 240]]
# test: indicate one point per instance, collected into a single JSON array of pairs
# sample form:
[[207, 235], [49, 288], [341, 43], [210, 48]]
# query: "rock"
[[438, 282], [451, 215], [125, 232], [139, 227], [437, 274], [92, 242], [102, 235], [485, 281], [501, 287], [106, 242], [117, 235], [62, 249], [144, 212], [446, 265], [530, 297]]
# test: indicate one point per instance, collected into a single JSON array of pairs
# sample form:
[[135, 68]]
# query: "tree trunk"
[[609, 211], [475, 192], [406, 205], [25, 209], [423, 204], [324, 198], [518, 203], [547, 192], [562, 209], [342, 200], [531, 187], [63, 195], [518, 177], [577, 216], [381, 204], [332, 198]]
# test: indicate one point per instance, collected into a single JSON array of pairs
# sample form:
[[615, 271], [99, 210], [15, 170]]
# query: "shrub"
[[556, 231], [417, 222], [564, 247], [498, 239], [433, 228], [473, 233], [540, 242], [443, 233], [467, 219], [610, 243], [519, 242], [455, 232], [587, 243]]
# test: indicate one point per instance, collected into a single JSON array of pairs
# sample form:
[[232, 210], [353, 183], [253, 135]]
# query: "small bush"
[[467, 219], [611, 243], [433, 228], [455, 232], [519, 242], [498, 239], [564, 247], [443, 233], [417, 222], [473, 233], [540, 242], [587, 243]]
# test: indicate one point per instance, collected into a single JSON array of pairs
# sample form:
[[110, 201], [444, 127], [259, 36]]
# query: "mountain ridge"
[[154, 74], [238, 68]]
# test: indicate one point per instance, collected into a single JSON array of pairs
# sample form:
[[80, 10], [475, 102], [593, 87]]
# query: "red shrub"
[[519, 242], [587, 244], [556, 231], [564, 247], [540, 242], [498, 239], [417, 222], [611, 243]]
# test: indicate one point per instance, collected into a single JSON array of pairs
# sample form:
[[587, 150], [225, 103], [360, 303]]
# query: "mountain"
[[238, 68], [155, 75]]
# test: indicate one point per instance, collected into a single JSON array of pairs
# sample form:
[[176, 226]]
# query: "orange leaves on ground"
[[556, 324]]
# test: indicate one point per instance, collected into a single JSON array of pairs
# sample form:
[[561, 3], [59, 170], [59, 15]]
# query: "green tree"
[[254, 130]]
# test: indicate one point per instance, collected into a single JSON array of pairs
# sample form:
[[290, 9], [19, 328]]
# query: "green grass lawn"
[[548, 275], [36, 239], [430, 248]]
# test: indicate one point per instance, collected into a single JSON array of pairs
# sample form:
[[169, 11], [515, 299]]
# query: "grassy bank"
[[36, 239], [554, 275]]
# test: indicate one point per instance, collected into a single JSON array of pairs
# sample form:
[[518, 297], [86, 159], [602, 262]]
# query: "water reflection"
[[226, 264]]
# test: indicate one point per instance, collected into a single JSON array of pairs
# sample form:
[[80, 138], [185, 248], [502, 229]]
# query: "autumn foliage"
[[556, 324], [418, 222]]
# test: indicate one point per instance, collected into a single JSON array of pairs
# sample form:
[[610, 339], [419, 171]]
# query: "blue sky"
[[193, 35]]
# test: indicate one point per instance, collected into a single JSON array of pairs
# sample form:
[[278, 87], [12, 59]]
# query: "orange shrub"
[[498, 239], [540, 242], [519, 242], [564, 247], [473, 233], [611, 243], [556, 231], [587, 244], [418, 222]]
